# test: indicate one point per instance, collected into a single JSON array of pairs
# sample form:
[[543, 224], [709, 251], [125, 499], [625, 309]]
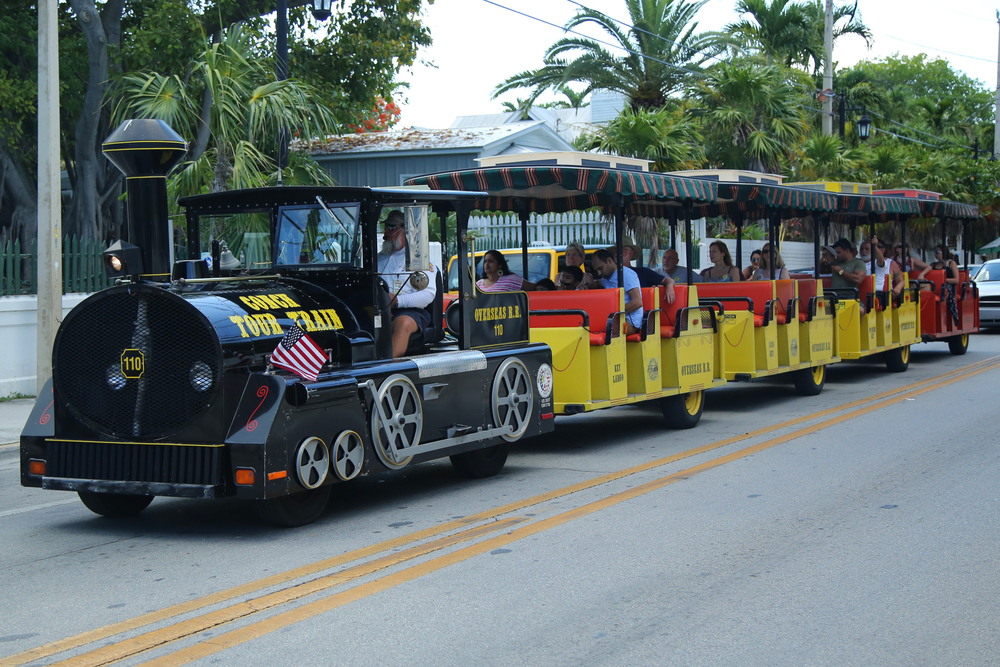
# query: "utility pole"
[[996, 121], [828, 72], [49, 311]]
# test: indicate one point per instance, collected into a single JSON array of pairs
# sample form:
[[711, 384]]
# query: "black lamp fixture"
[[864, 123], [321, 9], [122, 259]]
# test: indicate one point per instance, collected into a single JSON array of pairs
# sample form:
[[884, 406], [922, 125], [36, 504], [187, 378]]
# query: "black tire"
[[297, 509], [810, 381], [898, 360], [481, 463], [958, 345], [114, 504], [683, 410]]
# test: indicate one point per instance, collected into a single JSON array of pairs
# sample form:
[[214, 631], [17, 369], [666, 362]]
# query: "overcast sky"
[[477, 45]]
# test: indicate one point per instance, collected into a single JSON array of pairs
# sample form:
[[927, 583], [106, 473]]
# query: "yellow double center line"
[[153, 639]]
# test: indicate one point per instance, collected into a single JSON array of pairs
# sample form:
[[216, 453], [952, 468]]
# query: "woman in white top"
[[497, 276], [764, 272]]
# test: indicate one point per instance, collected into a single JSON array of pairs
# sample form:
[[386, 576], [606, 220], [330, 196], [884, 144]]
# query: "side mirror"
[[419, 280]]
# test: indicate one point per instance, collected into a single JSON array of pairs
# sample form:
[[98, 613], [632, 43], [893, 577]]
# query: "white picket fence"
[[504, 231]]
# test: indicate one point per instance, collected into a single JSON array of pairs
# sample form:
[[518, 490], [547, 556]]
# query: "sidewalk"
[[13, 415]]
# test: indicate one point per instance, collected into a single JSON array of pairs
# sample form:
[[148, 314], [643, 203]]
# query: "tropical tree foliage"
[[752, 117], [668, 138], [364, 47], [649, 61]]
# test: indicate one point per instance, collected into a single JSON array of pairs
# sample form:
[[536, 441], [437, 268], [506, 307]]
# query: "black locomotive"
[[162, 384]]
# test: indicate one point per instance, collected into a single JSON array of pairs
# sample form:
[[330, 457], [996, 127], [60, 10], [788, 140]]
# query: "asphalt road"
[[859, 527]]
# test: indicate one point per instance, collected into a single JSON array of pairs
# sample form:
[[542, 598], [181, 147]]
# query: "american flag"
[[298, 353]]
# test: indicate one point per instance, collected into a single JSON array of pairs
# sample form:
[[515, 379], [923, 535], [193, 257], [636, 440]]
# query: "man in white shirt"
[[407, 302]]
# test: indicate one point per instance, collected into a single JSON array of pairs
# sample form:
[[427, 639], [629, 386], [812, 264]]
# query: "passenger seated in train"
[[754, 264], [545, 285], [671, 268], [764, 272], [571, 278], [607, 269], [497, 276], [885, 267], [409, 314], [908, 263], [943, 260], [847, 269], [576, 256], [828, 255], [722, 269], [647, 277]]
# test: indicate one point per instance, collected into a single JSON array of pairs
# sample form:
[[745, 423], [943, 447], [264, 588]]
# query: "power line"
[[933, 48], [899, 136]]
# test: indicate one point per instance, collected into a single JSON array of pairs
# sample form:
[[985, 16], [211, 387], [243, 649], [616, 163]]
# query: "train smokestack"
[[145, 151]]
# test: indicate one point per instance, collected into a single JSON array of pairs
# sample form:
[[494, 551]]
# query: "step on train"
[[177, 381]]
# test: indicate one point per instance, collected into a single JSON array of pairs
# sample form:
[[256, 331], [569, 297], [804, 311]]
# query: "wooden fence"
[[82, 267]]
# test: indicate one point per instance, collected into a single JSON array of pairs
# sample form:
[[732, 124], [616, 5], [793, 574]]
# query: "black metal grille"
[[173, 464], [180, 356]]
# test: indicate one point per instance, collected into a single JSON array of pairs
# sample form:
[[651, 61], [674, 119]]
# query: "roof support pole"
[[819, 221], [904, 254], [967, 242], [442, 214], [618, 210], [687, 239], [773, 220], [944, 236], [738, 221], [673, 232], [871, 251], [524, 215], [466, 286]]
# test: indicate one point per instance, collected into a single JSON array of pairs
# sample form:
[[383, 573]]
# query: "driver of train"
[[409, 314]]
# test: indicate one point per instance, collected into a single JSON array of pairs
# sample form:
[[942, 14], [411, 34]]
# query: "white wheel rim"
[[312, 463], [512, 398], [403, 411], [348, 455]]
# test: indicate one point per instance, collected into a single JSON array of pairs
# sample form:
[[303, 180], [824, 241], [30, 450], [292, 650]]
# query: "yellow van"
[[543, 262]]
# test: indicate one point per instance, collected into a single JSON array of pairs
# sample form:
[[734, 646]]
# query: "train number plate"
[[133, 364]]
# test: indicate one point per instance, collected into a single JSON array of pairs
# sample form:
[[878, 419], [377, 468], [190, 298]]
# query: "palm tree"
[[236, 133], [825, 158], [780, 31], [669, 139], [815, 12], [659, 52], [752, 118]]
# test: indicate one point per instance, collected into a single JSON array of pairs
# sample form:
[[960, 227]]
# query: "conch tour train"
[[325, 351]]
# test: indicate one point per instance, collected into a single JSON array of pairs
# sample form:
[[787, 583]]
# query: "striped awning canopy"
[[559, 188], [949, 209], [879, 205], [754, 199]]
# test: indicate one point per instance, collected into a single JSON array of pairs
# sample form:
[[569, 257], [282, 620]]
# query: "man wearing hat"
[[647, 277], [847, 269]]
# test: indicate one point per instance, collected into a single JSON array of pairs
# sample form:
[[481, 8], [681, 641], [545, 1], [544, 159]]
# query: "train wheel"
[[348, 455], [512, 398], [810, 381], [297, 509], [312, 463], [480, 463], [406, 421], [683, 410], [114, 504], [898, 360], [958, 344]]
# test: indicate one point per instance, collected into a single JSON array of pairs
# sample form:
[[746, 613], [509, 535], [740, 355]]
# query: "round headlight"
[[200, 376], [115, 262], [116, 379]]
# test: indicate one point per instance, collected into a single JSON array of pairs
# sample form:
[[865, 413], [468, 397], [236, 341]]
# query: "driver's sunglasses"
[[392, 227]]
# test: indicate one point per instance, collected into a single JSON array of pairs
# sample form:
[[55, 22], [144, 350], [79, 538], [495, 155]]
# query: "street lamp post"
[[864, 123], [321, 11]]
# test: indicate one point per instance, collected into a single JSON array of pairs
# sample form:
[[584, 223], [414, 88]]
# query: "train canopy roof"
[[558, 189], [296, 195]]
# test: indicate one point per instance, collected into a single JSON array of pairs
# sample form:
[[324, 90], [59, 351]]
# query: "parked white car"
[[988, 281]]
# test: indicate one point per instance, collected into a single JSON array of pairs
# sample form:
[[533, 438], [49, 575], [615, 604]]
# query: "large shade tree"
[[369, 42], [645, 62]]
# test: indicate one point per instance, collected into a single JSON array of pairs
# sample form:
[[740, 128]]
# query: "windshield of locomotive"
[[246, 235], [318, 235]]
